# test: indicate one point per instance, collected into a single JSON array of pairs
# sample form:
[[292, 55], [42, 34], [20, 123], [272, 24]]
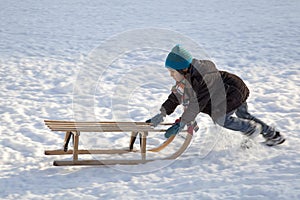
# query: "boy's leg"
[[272, 136], [242, 112], [247, 127]]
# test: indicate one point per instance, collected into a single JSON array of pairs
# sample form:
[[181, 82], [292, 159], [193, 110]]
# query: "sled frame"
[[74, 130]]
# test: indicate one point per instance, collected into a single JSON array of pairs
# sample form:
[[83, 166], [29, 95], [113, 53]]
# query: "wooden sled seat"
[[74, 129]]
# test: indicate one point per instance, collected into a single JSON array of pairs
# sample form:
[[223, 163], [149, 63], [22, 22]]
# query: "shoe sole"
[[275, 144]]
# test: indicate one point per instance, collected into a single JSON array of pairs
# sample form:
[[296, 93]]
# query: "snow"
[[46, 73]]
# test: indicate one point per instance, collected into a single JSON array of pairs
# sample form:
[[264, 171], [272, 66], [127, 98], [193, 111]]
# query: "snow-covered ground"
[[44, 46]]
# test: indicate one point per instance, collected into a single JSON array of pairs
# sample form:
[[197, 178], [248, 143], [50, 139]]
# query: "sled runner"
[[77, 129]]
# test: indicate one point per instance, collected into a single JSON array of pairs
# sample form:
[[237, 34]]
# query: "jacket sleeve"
[[191, 111], [198, 102], [169, 105]]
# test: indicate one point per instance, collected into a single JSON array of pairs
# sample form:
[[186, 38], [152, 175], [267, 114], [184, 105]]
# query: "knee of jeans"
[[239, 114], [243, 114]]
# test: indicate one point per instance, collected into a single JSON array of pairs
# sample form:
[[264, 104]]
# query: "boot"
[[276, 139], [256, 130]]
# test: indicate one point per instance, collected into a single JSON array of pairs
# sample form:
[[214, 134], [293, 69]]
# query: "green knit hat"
[[178, 58]]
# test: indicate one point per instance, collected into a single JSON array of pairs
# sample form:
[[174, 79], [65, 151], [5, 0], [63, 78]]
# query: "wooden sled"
[[74, 129]]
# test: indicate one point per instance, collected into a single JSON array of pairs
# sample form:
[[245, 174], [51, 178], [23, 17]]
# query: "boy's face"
[[176, 75]]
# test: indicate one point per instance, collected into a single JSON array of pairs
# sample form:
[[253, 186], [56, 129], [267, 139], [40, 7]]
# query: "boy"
[[201, 87]]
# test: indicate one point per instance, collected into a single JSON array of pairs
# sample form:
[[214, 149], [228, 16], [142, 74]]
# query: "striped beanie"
[[178, 58]]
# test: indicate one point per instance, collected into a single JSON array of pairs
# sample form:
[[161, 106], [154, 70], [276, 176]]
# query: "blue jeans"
[[242, 122]]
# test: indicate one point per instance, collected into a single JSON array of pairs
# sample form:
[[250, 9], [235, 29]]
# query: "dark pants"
[[243, 123]]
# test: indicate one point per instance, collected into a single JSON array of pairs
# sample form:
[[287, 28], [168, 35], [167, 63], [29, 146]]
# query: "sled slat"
[[86, 151], [100, 162]]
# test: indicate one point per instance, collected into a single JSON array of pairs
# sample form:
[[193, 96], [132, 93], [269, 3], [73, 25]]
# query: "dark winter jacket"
[[209, 91]]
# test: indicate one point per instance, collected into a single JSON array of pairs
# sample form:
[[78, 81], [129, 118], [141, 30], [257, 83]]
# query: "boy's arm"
[[169, 105], [198, 101]]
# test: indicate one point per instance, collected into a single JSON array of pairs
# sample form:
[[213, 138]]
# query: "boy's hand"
[[157, 119], [174, 129]]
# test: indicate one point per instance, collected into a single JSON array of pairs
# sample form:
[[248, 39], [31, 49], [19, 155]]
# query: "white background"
[[42, 46]]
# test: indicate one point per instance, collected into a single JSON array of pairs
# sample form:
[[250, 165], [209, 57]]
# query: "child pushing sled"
[[201, 88]]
